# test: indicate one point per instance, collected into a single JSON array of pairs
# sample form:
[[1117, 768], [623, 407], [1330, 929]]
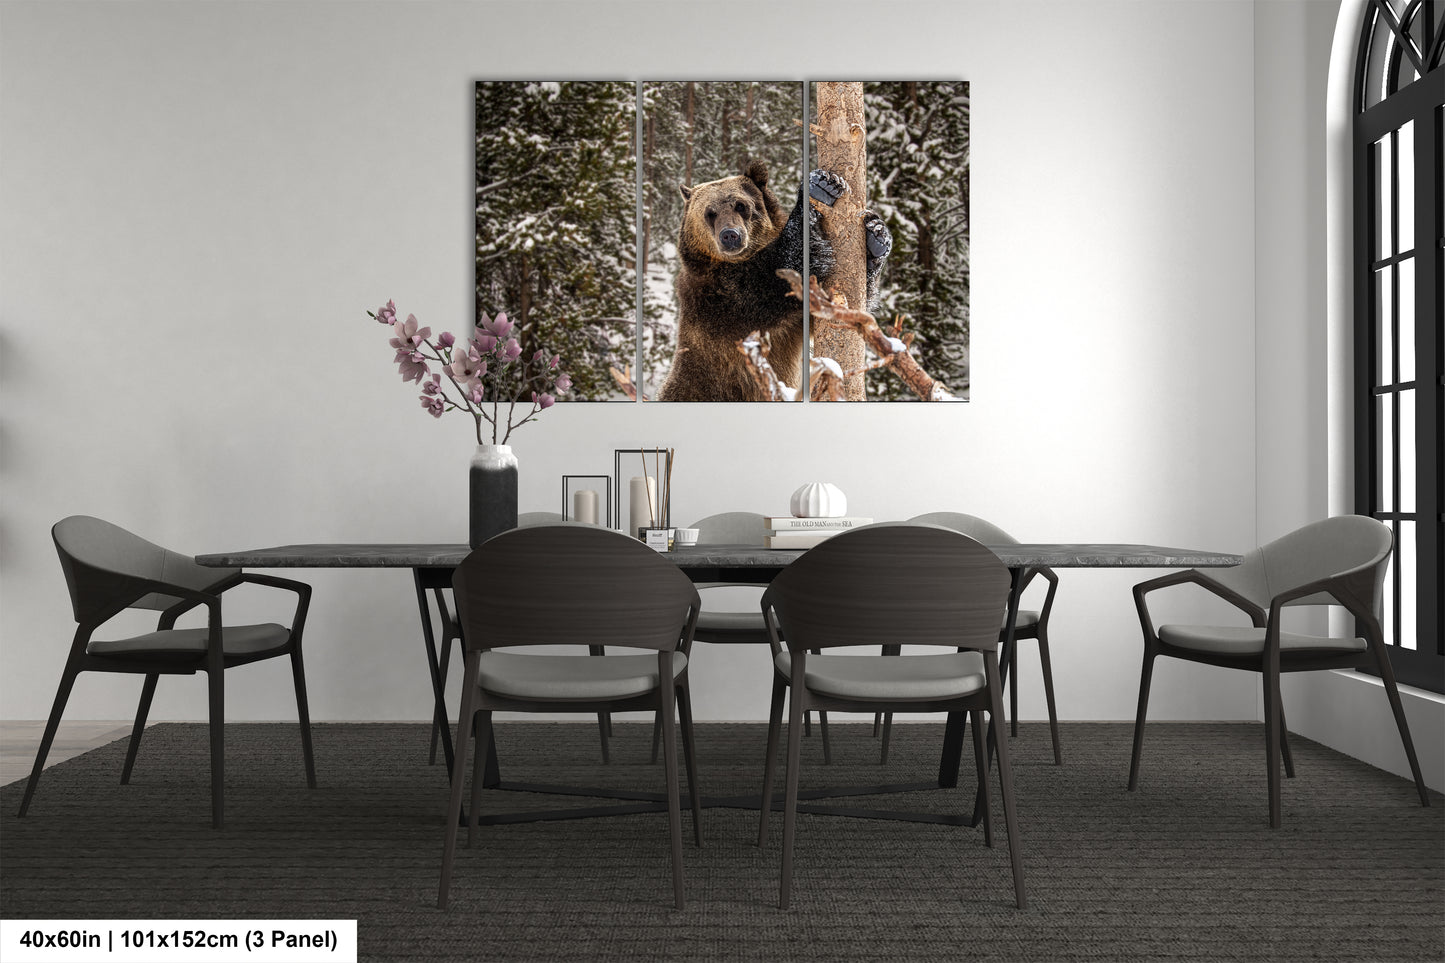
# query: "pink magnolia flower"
[[484, 342], [410, 334], [543, 400], [432, 386], [446, 339], [433, 404], [467, 367], [413, 367], [538, 355], [476, 394], [556, 360], [498, 328], [510, 351], [387, 314], [564, 381]]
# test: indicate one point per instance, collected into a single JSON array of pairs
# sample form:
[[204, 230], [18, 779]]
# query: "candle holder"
[[655, 463], [572, 485]]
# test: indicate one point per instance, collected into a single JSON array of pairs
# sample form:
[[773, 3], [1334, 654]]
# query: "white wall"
[[200, 201]]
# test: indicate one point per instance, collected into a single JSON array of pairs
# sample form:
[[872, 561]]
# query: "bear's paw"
[[880, 239], [826, 187]]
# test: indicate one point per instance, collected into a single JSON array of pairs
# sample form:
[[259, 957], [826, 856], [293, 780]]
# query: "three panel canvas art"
[[656, 234]]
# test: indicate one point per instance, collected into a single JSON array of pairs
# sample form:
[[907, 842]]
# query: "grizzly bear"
[[733, 240]]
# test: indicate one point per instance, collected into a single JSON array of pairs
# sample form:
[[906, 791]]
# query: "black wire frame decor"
[[654, 462], [572, 484]]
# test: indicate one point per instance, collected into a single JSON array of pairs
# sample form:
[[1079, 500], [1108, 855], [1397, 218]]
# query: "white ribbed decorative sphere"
[[819, 500]]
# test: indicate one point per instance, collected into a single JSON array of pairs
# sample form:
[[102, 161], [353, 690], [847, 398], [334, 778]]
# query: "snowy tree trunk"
[[842, 149]]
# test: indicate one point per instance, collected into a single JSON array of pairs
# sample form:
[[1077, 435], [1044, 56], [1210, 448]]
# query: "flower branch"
[[484, 373]]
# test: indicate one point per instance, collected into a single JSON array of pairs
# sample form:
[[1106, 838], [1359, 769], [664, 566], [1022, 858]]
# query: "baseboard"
[[1349, 712]]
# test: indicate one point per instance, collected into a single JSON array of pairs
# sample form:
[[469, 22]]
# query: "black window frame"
[[1400, 81]]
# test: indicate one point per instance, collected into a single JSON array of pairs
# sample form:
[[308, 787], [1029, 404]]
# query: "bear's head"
[[729, 219]]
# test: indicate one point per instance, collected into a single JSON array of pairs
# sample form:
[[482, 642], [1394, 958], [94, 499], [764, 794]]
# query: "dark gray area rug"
[[1186, 868]]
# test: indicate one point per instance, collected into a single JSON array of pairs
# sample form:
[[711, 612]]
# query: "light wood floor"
[[20, 740]]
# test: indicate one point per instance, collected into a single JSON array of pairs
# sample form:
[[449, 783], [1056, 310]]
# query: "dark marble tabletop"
[[441, 555]]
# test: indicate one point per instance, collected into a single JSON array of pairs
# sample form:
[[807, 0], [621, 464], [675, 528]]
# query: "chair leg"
[[1145, 676], [1013, 689], [459, 775], [1271, 738], [770, 759], [980, 756], [57, 709], [822, 729], [1049, 693], [885, 717], [303, 714], [1284, 743], [1006, 788], [216, 683], [603, 725], [147, 692], [668, 704], [482, 722], [689, 758], [1392, 692], [656, 735], [604, 719], [827, 746], [790, 793]]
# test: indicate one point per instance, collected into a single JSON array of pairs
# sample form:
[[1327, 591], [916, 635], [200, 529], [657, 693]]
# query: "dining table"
[[432, 566]]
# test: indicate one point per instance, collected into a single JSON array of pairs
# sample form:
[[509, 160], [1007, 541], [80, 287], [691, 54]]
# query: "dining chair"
[[451, 634], [1029, 624], [923, 585], [1337, 561], [109, 570], [573, 585], [733, 626]]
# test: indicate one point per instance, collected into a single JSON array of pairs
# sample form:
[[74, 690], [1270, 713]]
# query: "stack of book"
[[790, 532]]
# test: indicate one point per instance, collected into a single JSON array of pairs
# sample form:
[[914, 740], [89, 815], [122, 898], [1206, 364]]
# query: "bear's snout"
[[730, 239]]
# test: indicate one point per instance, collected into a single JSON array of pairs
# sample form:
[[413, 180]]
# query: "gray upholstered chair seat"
[[731, 622], [1246, 640], [574, 677], [904, 677], [184, 645], [1027, 620]]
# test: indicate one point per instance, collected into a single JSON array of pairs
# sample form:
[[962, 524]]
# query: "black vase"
[[493, 493]]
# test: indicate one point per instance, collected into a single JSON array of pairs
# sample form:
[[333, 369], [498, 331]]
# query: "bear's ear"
[[686, 192], [757, 172]]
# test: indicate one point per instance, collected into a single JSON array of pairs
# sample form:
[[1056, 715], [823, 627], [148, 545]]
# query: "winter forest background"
[[557, 219]]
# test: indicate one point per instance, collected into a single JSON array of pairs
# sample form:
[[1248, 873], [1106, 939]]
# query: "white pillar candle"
[[584, 506], [643, 503]]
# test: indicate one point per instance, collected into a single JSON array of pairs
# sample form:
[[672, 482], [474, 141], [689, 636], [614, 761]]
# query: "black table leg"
[[953, 733], [420, 577]]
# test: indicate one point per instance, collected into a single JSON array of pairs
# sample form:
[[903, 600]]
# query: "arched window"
[[1399, 265]]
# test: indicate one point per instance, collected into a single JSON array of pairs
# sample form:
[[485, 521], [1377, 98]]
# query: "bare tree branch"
[[892, 350], [755, 348]]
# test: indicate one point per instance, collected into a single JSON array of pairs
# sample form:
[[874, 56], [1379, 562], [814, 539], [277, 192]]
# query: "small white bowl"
[[687, 536]]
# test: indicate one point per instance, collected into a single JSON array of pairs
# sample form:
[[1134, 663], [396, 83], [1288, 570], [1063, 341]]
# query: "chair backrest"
[[528, 519], [731, 528], [974, 527], [572, 585], [1318, 550], [892, 584], [100, 560]]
